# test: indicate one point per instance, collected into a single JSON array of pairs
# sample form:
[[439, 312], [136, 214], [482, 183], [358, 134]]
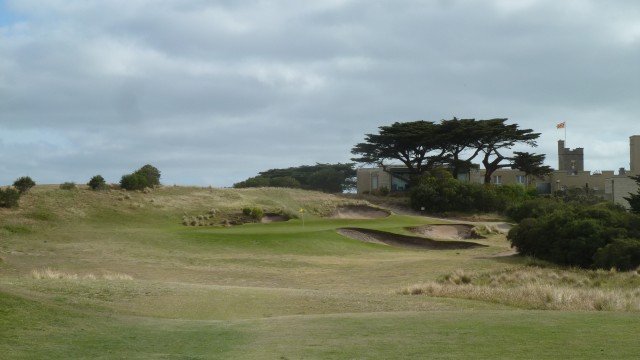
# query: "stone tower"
[[572, 160], [634, 143]]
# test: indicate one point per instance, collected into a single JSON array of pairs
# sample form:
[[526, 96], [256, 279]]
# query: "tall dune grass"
[[542, 289]]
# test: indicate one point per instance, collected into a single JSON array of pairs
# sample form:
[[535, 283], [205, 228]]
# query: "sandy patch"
[[448, 232], [359, 212], [404, 241], [269, 218]]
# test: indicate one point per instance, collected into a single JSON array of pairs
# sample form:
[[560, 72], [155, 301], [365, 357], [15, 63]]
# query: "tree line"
[[424, 145], [332, 178]]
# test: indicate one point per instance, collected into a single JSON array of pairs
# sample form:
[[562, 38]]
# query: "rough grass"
[[540, 288], [88, 274]]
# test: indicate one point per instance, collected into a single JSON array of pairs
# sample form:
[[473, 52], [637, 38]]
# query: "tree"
[[419, 145], [531, 165], [23, 184], [324, 177], [327, 180], [462, 137], [151, 174], [135, 181], [494, 136], [634, 199], [97, 183]]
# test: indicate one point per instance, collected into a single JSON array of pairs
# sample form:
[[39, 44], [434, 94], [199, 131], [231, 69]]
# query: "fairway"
[[117, 275]]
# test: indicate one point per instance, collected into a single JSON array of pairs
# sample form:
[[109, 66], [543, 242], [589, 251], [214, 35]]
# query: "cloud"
[[212, 92]]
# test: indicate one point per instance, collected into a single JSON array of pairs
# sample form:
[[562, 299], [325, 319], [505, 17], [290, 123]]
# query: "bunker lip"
[[404, 241], [273, 217], [447, 231], [359, 212]]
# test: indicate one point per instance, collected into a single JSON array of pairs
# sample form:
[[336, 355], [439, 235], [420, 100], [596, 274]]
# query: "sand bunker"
[[271, 217], [359, 212], [405, 241], [448, 232]]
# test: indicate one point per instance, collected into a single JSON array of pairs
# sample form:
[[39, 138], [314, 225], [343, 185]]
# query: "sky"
[[213, 92]]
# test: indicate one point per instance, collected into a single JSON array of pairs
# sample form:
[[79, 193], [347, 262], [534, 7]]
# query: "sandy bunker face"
[[359, 212], [404, 241], [447, 232], [269, 218]]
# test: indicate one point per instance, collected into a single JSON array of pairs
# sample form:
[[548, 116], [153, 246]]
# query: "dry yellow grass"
[[50, 274], [536, 288]]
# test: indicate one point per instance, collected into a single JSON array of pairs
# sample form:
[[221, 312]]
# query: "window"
[[521, 179], [374, 182], [497, 179]]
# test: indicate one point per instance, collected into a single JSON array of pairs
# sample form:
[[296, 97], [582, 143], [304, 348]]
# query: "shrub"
[[68, 186], [573, 235], [440, 192], [97, 183], [146, 176], [9, 198], [255, 213], [151, 174], [133, 181], [23, 184], [622, 254]]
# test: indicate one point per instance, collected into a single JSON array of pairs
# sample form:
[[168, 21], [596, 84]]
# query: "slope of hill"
[[117, 275]]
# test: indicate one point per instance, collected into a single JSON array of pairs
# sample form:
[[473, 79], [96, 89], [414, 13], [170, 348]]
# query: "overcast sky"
[[212, 92]]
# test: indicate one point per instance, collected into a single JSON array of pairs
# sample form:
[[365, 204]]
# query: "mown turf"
[[135, 283]]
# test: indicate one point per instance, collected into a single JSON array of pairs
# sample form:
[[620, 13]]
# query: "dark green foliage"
[[9, 197], [151, 174], [622, 254], [146, 176], [572, 234], [323, 177], [531, 164], [423, 145], [68, 186], [23, 184], [284, 182], [533, 208], [97, 183], [439, 192], [256, 181], [133, 181], [328, 180], [255, 213], [634, 199]]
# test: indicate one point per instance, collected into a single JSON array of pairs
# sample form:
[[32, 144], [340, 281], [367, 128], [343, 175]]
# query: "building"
[[570, 175]]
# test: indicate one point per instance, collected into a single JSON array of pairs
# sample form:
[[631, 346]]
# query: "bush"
[[133, 181], [151, 174], [573, 235], [9, 198], [146, 176], [255, 213], [68, 186], [97, 183], [622, 254], [23, 184], [439, 192]]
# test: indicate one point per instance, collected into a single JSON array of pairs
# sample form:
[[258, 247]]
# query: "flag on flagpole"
[[560, 125]]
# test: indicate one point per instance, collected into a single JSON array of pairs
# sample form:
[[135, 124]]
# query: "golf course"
[[273, 273]]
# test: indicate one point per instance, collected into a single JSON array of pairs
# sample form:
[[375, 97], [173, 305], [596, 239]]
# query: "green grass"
[[96, 275]]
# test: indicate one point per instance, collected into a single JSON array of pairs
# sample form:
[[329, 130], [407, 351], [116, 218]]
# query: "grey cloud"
[[212, 92]]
